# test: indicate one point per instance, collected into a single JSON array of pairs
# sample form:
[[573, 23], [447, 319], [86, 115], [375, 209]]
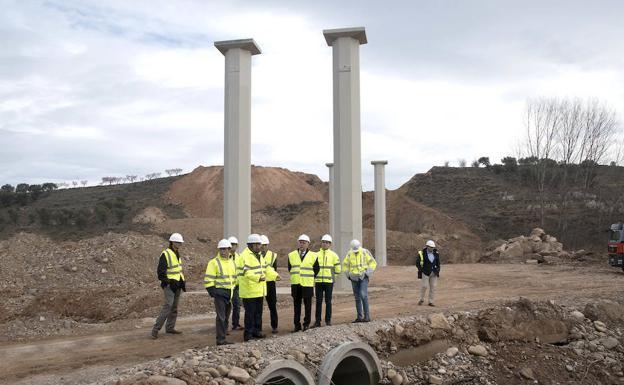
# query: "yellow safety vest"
[[302, 272], [220, 273], [174, 265], [422, 259], [269, 259], [238, 262], [254, 268], [357, 263], [329, 264]]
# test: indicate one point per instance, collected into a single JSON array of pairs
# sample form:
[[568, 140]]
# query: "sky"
[[91, 89]]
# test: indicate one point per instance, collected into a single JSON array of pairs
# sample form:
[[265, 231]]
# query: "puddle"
[[417, 354]]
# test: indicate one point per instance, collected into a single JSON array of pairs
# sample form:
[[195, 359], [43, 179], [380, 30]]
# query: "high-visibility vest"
[[302, 272], [220, 273], [174, 265], [249, 283], [356, 263], [422, 259], [329, 264], [269, 259], [238, 262]]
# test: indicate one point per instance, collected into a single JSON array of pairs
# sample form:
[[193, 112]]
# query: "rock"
[[600, 326], [104, 271], [569, 368], [391, 374], [538, 232], [435, 379], [513, 251], [214, 372], [452, 352], [105, 260], [398, 330], [531, 261], [578, 315], [439, 321], [41, 318], [43, 277], [67, 324], [442, 371], [223, 370], [74, 268], [527, 373], [397, 380], [256, 354], [162, 380], [609, 342], [238, 374], [478, 350]]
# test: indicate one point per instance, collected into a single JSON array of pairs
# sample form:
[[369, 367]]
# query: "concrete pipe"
[[285, 372], [351, 363]]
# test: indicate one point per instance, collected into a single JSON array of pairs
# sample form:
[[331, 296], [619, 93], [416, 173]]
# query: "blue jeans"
[[360, 291]]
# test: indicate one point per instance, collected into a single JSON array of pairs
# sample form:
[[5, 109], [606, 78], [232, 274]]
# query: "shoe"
[[248, 339], [173, 331], [225, 343], [316, 325], [258, 336], [154, 335], [366, 319], [356, 320], [420, 302], [274, 331], [432, 305], [327, 323], [296, 330], [237, 327]]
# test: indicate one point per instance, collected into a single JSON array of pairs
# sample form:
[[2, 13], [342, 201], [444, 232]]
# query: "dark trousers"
[[271, 299], [169, 311], [235, 308], [223, 307], [253, 316], [323, 290], [302, 294]]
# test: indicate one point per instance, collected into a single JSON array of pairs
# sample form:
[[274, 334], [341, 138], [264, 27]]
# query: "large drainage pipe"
[[351, 363], [285, 372]]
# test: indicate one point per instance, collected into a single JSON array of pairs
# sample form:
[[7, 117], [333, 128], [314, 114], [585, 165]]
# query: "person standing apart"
[[219, 281], [359, 266], [329, 266], [270, 259], [235, 295], [171, 279], [428, 264], [301, 268]]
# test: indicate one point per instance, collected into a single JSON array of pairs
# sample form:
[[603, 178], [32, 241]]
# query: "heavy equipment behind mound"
[[616, 245]]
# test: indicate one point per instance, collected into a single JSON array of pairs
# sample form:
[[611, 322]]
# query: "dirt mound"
[[201, 191], [150, 216]]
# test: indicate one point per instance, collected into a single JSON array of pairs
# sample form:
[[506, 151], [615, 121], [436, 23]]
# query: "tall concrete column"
[[380, 211], [332, 199], [345, 43], [237, 150]]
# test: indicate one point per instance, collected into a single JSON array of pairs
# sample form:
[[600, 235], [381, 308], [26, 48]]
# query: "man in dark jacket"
[[428, 264]]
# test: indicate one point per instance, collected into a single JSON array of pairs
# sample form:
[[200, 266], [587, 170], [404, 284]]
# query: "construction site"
[[530, 268]]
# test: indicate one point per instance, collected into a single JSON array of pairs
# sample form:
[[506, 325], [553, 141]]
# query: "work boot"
[[420, 302], [237, 327], [154, 335], [357, 320], [367, 319], [327, 323], [305, 327], [274, 331], [431, 304], [316, 325], [258, 336], [224, 343], [173, 331], [297, 329]]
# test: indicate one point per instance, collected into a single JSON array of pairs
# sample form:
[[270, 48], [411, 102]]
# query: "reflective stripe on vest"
[[295, 263], [302, 271], [327, 268], [174, 265]]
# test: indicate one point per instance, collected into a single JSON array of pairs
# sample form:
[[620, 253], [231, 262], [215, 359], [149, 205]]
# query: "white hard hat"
[[304, 237], [430, 243], [265, 239], [326, 238], [254, 238], [176, 237], [224, 244], [233, 240], [355, 245]]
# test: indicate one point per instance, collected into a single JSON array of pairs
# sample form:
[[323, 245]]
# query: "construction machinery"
[[616, 245]]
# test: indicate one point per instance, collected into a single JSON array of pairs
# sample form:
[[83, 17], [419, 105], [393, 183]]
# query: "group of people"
[[251, 277]]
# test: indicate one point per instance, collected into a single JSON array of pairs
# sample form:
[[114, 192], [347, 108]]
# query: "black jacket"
[[427, 266], [161, 271]]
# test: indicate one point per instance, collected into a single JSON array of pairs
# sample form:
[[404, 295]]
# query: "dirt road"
[[394, 292]]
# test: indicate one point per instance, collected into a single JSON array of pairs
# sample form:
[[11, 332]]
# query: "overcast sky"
[[109, 88]]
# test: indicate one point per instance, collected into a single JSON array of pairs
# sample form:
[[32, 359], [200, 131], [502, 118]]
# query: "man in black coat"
[[428, 264]]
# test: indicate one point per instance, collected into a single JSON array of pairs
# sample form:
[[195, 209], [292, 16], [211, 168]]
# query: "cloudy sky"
[[109, 88]]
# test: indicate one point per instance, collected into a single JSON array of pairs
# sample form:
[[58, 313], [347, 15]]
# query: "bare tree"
[[599, 126], [74, 183], [131, 178], [177, 171], [84, 183], [461, 162], [153, 175], [169, 172], [108, 179]]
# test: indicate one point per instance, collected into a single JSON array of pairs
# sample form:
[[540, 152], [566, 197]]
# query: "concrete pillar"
[[380, 211], [332, 199], [345, 45], [237, 151]]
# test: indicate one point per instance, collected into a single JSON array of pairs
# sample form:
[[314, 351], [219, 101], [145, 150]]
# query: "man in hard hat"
[[301, 268], [171, 278], [359, 266], [428, 264], [329, 267], [219, 281], [235, 295], [270, 259], [252, 286]]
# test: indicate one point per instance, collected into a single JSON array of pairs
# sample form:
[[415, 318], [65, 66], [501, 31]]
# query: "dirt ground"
[[394, 292]]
